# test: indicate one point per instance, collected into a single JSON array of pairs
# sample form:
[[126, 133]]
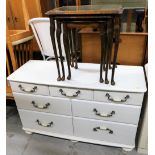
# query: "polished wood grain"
[[19, 34], [34, 8], [17, 12], [8, 65], [86, 10], [18, 51], [131, 48], [9, 16]]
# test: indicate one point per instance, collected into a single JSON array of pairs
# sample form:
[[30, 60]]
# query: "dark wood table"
[[107, 17]]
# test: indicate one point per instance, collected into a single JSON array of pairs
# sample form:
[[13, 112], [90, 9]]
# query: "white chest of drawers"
[[81, 109]]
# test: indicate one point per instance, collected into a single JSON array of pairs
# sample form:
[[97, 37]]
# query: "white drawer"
[[71, 93], [27, 88], [46, 122], [43, 103], [106, 111], [119, 97], [105, 131]]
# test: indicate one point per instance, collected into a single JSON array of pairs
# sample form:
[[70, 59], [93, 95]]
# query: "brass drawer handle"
[[44, 125], [103, 129], [69, 95], [116, 100], [34, 89], [40, 106], [104, 115]]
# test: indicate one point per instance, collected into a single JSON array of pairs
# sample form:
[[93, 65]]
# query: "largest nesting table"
[[108, 19]]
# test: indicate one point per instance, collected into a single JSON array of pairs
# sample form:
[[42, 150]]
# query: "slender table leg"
[[117, 35], [103, 48], [111, 41], [71, 47], [108, 43], [66, 46], [76, 47], [79, 46], [105, 45], [52, 33], [58, 33]]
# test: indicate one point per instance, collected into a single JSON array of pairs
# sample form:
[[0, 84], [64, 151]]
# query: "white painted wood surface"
[[143, 137], [127, 78], [56, 105], [123, 113], [122, 133], [61, 124]]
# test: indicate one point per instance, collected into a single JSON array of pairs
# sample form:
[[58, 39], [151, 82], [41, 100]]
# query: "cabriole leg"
[[76, 47], [103, 49], [58, 33], [117, 34], [66, 46], [71, 46], [52, 33], [108, 30], [111, 41]]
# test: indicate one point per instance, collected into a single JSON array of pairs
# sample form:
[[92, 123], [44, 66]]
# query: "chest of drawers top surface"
[[127, 78]]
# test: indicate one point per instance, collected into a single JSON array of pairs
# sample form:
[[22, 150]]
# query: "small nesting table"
[[108, 19]]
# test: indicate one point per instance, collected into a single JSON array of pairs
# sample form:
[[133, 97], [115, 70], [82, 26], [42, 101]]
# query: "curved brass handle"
[[104, 115], [40, 106], [28, 91], [103, 129], [72, 95], [114, 100], [44, 125]]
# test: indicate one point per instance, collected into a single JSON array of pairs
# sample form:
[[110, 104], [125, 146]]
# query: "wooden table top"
[[87, 10]]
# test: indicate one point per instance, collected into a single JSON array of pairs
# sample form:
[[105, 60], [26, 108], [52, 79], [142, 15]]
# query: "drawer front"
[[43, 103], [27, 88], [105, 131], [106, 111], [119, 97], [71, 93], [46, 122]]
